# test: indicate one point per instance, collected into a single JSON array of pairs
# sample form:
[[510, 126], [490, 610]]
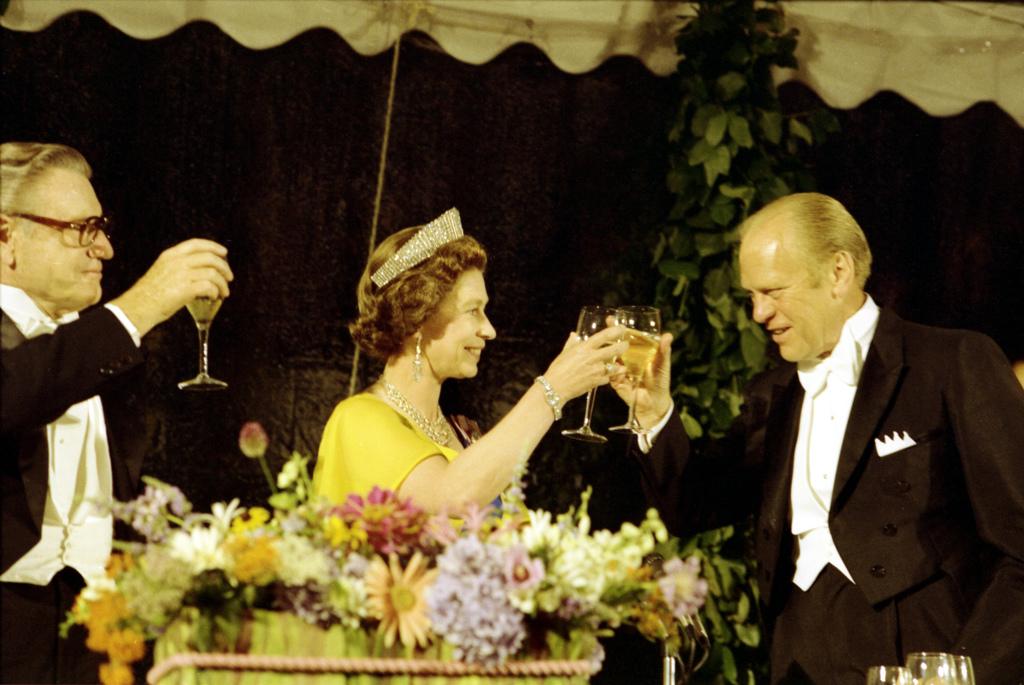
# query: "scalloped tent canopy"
[[942, 56]]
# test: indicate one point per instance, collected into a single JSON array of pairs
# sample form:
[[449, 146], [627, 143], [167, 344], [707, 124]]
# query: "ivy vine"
[[734, 150]]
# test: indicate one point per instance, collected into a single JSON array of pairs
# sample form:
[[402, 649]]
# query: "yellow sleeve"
[[367, 443]]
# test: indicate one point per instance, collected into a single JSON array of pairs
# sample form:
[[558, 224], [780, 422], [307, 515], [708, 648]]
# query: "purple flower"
[[152, 512], [682, 586], [468, 604]]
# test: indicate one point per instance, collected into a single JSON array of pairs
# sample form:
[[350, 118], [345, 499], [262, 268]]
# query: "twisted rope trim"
[[376, 666]]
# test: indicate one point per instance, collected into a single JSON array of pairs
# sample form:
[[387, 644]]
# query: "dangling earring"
[[417, 361]]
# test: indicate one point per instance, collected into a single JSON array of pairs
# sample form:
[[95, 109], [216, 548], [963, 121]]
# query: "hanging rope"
[[381, 167]]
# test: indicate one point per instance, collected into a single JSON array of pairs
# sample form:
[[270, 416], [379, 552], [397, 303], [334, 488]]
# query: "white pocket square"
[[893, 443]]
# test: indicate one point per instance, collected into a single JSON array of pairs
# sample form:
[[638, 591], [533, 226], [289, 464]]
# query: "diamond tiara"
[[444, 229]]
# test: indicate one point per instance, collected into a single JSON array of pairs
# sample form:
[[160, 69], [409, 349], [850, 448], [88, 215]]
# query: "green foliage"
[[733, 151]]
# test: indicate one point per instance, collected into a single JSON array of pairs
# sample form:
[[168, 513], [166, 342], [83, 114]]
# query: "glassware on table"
[[593, 318], [888, 675], [203, 309], [964, 669], [643, 330], [932, 668]]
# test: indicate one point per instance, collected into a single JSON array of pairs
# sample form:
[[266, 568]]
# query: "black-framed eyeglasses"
[[84, 231]]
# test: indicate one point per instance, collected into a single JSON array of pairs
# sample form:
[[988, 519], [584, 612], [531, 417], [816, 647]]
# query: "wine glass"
[[643, 330], [593, 318], [203, 309], [964, 669], [888, 675], [932, 668]]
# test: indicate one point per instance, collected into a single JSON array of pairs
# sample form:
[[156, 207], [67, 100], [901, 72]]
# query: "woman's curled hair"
[[389, 315]]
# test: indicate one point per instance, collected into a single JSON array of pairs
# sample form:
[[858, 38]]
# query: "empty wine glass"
[[643, 331], [593, 318], [932, 668], [203, 309], [888, 675]]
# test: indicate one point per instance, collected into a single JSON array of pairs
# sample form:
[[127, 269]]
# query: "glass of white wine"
[[203, 309], [593, 318], [643, 331], [964, 669], [888, 675], [932, 668]]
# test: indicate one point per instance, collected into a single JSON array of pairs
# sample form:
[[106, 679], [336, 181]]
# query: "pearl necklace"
[[437, 430]]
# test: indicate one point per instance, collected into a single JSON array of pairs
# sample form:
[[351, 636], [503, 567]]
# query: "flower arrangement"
[[493, 586]]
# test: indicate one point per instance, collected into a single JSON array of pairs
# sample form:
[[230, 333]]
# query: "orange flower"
[[116, 673], [102, 617], [98, 639], [119, 563], [255, 558], [398, 598], [126, 646]]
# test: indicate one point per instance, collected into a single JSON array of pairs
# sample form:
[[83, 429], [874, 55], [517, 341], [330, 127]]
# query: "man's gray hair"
[[21, 163], [823, 227]]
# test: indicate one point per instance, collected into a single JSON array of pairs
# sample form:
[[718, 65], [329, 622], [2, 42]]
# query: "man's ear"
[[842, 273]]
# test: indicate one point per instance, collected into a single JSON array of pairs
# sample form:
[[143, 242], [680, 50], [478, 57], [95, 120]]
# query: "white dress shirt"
[[75, 532], [829, 387]]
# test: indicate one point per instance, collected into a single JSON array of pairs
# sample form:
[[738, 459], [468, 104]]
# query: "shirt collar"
[[847, 358], [26, 314]]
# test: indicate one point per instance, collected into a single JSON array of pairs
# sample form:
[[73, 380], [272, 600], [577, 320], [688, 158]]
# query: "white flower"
[[540, 534], [299, 561], [224, 514], [289, 474], [199, 547]]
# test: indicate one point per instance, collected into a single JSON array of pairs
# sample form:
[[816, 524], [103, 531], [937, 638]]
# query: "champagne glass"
[[203, 309], [593, 318], [643, 329], [964, 669], [888, 675], [932, 668]]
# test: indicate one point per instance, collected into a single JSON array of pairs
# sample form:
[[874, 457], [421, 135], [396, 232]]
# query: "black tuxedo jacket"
[[941, 522], [41, 378]]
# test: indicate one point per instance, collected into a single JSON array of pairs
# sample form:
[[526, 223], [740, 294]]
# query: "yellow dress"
[[365, 443]]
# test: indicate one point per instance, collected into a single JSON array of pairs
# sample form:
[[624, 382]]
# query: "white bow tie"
[[32, 326], [815, 376]]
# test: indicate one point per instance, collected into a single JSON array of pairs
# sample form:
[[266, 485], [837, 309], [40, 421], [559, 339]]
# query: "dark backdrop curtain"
[[274, 153]]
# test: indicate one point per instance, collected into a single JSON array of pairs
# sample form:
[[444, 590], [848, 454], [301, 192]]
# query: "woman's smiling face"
[[455, 336]]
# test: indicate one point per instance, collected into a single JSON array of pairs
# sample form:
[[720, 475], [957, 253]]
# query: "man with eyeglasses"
[[59, 358]]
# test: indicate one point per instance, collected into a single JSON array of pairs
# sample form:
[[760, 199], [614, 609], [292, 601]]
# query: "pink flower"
[[474, 517], [253, 440], [522, 572], [392, 524], [439, 529]]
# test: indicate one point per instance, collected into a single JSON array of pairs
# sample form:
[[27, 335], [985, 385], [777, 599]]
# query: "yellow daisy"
[[398, 598]]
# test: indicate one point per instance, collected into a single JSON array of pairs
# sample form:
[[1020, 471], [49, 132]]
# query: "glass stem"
[[590, 407], [632, 422], [204, 337]]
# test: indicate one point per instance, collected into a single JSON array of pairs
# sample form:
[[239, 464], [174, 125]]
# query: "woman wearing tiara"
[[421, 310]]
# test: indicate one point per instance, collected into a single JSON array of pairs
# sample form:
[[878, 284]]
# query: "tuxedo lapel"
[[32, 449], [878, 382], [780, 442]]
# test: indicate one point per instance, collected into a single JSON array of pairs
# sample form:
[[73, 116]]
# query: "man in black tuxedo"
[[884, 461], [61, 454]]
